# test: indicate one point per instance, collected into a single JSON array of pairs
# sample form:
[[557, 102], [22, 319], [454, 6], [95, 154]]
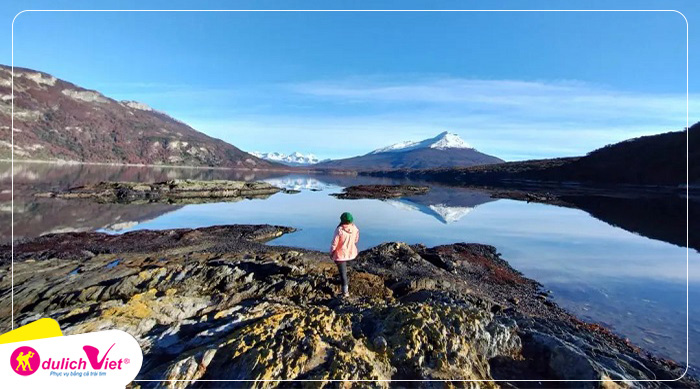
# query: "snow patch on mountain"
[[85, 95], [293, 159], [38, 78], [136, 105], [443, 141]]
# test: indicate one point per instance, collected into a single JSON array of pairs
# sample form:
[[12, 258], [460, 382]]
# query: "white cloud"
[[572, 99], [512, 119]]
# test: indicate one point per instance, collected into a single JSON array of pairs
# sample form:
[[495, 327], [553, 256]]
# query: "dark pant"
[[343, 270]]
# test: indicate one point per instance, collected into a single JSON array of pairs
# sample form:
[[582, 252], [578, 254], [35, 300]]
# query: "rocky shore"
[[172, 192], [381, 191], [217, 303]]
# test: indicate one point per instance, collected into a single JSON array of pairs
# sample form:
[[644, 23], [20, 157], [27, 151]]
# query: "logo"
[[109, 358], [25, 361], [63, 363]]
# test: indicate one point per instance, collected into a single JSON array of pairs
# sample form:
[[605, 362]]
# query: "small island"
[[172, 192], [381, 191]]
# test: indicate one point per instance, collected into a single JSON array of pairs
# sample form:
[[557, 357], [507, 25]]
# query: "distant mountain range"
[[57, 120], [444, 150], [649, 160], [293, 159]]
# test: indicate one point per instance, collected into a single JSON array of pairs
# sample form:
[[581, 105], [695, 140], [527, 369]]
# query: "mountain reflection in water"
[[439, 204], [37, 216], [656, 217], [634, 283]]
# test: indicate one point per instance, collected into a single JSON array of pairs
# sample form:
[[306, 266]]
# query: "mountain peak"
[[448, 140], [444, 140]]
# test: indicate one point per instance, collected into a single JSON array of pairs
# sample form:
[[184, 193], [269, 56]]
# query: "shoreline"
[[536, 185], [73, 163], [287, 170], [240, 278]]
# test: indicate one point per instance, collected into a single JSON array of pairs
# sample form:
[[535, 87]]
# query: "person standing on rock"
[[344, 246]]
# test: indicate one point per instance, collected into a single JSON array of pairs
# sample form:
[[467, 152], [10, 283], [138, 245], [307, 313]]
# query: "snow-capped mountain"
[[444, 150], [444, 140], [293, 159]]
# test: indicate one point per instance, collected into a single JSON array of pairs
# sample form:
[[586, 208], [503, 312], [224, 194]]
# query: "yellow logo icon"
[[23, 361]]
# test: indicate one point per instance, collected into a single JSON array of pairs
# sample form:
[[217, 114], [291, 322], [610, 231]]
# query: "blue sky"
[[516, 85]]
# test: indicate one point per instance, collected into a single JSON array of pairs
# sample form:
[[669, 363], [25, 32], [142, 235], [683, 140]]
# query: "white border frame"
[[687, 249]]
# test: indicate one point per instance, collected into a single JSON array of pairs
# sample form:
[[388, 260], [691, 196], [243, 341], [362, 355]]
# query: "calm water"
[[631, 283]]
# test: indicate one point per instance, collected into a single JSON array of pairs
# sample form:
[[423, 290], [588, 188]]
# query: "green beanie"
[[346, 218]]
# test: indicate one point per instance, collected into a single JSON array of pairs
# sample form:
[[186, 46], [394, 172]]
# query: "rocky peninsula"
[[217, 303], [381, 192], [172, 191]]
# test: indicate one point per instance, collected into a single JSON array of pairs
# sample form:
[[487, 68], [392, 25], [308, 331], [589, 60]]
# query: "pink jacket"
[[343, 247]]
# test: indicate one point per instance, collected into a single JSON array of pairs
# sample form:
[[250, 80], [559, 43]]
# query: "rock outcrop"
[[217, 304], [173, 191]]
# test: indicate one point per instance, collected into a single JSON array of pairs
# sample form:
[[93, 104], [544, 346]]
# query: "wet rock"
[[216, 303], [381, 191], [380, 344], [530, 197], [564, 360]]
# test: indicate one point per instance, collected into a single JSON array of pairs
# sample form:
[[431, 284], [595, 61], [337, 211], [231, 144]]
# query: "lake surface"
[[616, 276]]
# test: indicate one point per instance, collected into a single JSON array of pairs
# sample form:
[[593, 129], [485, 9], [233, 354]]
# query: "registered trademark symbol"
[[127, 360]]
